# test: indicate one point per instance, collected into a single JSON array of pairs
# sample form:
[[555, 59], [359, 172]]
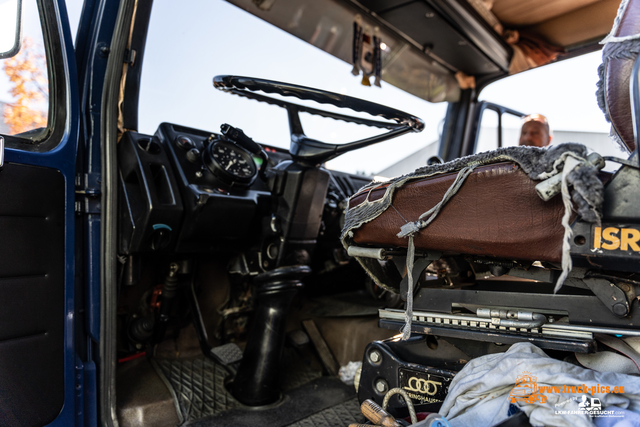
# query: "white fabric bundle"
[[479, 393]]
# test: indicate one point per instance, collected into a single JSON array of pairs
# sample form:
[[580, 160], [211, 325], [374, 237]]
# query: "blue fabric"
[[513, 409], [620, 418]]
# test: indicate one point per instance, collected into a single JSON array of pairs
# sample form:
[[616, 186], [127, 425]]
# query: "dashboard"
[[187, 190]]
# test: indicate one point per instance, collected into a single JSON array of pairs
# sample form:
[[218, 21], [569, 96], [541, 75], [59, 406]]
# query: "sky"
[[190, 44], [7, 24], [30, 28]]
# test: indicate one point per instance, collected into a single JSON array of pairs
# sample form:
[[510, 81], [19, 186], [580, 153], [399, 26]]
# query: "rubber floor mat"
[[197, 385], [325, 401], [298, 375], [341, 414]]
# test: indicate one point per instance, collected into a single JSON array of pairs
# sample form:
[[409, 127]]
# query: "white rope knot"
[[409, 229]]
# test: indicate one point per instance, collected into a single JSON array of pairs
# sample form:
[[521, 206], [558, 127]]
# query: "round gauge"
[[230, 163]]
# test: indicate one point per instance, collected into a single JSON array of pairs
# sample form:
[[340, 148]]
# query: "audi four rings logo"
[[422, 386]]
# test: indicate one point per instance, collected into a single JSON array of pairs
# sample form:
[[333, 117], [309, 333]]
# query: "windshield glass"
[[188, 46]]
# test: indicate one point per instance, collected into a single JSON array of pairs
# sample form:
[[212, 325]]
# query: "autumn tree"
[[27, 73]]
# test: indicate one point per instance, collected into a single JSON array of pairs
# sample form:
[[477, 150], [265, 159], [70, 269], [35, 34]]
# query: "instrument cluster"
[[187, 190]]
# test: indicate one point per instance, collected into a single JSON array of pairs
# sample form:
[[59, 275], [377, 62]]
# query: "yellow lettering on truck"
[[609, 234], [629, 238], [612, 238]]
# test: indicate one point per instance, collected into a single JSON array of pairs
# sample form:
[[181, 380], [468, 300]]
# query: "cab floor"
[[198, 388]]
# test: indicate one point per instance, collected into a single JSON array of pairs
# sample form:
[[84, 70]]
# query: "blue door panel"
[[38, 377], [31, 294]]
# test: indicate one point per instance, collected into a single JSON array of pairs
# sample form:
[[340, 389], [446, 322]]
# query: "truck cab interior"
[[234, 282]]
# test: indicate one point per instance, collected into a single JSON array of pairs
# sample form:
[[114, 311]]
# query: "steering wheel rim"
[[307, 150]]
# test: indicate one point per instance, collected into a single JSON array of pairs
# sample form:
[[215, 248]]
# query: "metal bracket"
[[419, 265], [130, 57], [614, 298], [621, 161], [535, 273]]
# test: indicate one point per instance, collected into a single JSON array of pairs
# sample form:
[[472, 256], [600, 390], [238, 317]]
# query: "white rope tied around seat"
[[411, 228], [408, 313], [570, 163]]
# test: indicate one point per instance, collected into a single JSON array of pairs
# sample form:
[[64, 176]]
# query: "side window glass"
[[511, 125], [564, 92], [24, 82], [499, 127], [488, 131]]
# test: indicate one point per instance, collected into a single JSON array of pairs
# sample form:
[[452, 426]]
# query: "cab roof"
[[427, 42], [570, 24]]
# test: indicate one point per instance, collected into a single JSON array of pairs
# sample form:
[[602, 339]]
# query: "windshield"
[[188, 46]]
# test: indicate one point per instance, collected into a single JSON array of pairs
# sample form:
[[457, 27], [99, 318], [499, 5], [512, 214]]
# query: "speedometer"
[[230, 163]]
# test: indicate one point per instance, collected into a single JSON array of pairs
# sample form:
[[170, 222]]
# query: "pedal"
[[227, 354]]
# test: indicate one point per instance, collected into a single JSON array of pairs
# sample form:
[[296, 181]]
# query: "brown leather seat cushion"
[[496, 213], [617, 77]]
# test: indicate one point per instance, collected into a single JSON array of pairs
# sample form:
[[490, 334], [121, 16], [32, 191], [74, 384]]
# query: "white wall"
[[596, 141]]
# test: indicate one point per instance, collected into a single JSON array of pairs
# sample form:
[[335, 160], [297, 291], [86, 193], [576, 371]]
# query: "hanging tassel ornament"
[[367, 56], [377, 57], [366, 52], [357, 44]]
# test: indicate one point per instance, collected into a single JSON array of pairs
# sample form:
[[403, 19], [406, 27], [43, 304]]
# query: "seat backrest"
[[619, 55]]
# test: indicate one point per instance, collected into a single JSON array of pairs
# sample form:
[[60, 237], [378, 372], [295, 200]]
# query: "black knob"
[[193, 155], [160, 239], [185, 143]]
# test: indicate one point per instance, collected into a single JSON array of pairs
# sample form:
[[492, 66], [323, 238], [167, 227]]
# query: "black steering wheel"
[[310, 151]]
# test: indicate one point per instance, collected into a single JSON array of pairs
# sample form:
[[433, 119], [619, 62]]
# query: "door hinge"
[[88, 191]]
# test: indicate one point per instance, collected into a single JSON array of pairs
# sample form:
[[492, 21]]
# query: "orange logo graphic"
[[526, 390]]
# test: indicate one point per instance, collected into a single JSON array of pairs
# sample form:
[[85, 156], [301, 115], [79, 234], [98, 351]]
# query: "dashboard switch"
[[193, 155]]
